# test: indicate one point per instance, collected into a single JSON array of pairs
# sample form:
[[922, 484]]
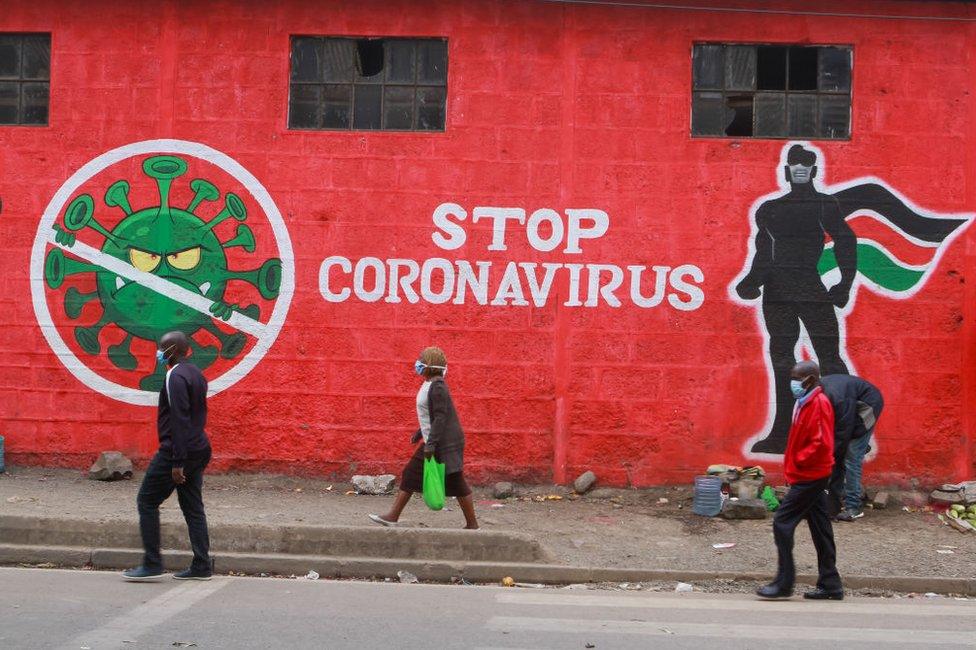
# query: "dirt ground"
[[606, 528]]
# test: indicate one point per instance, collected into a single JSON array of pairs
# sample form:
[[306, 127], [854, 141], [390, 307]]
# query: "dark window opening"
[[25, 76], [395, 84], [771, 91], [370, 57]]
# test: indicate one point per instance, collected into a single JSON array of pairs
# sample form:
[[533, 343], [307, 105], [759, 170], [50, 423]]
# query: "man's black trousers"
[[806, 501], [156, 487]]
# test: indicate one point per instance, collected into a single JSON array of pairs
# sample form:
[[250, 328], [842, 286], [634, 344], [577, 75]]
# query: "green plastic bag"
[[434, 484], [769, 496]]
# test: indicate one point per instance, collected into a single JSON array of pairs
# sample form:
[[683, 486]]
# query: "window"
[[391, 84], [771, 91], [25, 74]]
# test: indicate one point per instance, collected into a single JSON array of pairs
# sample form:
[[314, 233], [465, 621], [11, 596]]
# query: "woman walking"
[[442, 437]]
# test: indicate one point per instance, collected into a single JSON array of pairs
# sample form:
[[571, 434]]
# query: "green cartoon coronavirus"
[[174, 245]]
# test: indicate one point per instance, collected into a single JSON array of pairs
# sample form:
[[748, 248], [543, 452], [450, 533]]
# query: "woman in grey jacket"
[[443, 439]]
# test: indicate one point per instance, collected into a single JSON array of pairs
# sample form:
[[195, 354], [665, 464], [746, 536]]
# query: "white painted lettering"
[[324, 287], [455, 235], [501, 217], [600, 223], [696, 297]]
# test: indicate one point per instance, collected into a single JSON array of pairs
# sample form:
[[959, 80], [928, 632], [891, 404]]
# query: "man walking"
[[184, 452], [806, 465], [857, 406]]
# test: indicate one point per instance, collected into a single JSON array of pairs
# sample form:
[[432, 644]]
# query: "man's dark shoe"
[[849, 515], [142, 574], [190, 574], [823, 594], [774, 592]]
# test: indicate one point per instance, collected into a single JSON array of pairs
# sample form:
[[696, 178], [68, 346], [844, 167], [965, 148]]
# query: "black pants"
[[156, 487], [806, 501]]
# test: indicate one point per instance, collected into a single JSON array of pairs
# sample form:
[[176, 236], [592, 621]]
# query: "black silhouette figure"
[[790, 236], [789, 243]]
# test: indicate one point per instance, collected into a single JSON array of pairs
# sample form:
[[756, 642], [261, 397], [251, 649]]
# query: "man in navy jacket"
[[184, 452], [857, 406]]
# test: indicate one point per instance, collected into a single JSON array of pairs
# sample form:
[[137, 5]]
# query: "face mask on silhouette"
[[796, 385], [161, 354], [419, 367], [800, 174]]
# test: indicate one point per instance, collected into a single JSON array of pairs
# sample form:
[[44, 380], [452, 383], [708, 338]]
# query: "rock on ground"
[[111, 466], [584, 482], [881, 500], [503, 490], [382, 484], [744, 509]]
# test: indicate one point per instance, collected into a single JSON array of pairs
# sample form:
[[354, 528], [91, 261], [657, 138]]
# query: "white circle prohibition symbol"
[[38, 295]]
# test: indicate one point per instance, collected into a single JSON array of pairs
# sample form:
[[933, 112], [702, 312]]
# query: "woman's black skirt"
[[413, 477]]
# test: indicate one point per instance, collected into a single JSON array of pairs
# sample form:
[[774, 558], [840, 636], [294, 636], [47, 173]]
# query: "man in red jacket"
[[807, 466]]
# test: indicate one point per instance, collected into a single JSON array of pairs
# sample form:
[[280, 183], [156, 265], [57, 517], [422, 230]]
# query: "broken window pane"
[[432, 62], [708, 66], [740, 67], [303, 106], [803, 68], [398, 107], [9, 101], [367, 101], [401, 60], [370, 59], [336, 106], [835, 116], [34, 100], [708, 114], [802, 115], [10, 56], [338, 59], [771, 67], [430, 109], [740, 106], [368, 83], [770, 111], [305, 59], [835, 69]]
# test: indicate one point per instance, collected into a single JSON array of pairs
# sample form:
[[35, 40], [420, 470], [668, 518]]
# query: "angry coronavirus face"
[[174, 248]]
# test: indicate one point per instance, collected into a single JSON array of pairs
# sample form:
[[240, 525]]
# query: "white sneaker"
[[382, 522]]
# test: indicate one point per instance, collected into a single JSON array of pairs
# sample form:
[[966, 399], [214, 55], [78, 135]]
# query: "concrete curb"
[[359, 541], [444, 571]]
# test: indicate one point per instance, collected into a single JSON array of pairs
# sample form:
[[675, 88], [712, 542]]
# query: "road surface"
[[47, 608]]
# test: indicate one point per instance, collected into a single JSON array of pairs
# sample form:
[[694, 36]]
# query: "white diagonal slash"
[[160, 285]]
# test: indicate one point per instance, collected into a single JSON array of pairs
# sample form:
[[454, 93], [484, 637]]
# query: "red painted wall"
[[549, 106]]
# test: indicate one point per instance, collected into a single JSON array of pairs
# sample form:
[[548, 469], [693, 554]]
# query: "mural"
[[157, 269], [806, 263]]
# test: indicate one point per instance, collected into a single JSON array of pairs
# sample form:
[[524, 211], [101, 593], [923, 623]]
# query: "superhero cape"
[[896, 246]]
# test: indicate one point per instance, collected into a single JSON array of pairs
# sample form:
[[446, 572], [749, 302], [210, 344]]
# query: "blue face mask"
[[797, 387], [419, 367], [161, 354]]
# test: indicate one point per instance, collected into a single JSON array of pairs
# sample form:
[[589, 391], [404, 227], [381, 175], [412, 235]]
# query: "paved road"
[[42, 608]]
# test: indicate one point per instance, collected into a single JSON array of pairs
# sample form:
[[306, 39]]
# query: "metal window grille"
[[390, 84], [25, 77], [771, 91]]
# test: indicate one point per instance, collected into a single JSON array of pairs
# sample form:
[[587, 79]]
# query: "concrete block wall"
[[550, 105]]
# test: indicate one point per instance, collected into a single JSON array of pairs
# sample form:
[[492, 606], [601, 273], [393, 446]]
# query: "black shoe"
[[823, 594], [142, 574], [849, 515], [774, 592], [190, 574]]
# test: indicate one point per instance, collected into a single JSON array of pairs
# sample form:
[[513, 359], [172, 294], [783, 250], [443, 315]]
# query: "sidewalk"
[[607, 529]]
